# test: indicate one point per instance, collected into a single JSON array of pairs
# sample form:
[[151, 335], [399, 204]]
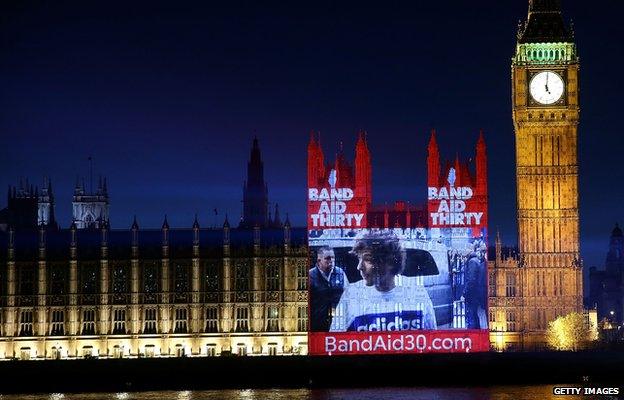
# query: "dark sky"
[[168, 98]]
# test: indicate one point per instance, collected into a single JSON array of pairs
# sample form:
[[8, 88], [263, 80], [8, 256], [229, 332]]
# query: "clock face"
[[546, 87]]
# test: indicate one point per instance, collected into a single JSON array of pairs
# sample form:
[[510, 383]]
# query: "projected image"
[[398, 281], [396, 278]]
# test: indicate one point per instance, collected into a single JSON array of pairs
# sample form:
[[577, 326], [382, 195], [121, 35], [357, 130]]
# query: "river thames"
[[488, 393]]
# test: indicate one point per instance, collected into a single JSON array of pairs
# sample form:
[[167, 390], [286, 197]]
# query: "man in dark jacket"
[[327, 282], [474, 288]]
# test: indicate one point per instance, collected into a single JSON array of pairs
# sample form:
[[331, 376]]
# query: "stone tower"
[[255, 192], [545, 101], [45, 205], [90, 208]]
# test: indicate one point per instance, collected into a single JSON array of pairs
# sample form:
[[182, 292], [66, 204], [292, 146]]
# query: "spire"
[[481, 140], [545, 23], [277, 221], [498, 246], [617, 232], [287, 223], [255, 193], [165, 224], [433, 143], [226, 223], [135, 224], [433, 161], [196, 223]]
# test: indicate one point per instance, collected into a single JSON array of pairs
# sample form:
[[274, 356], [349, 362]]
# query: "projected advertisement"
[[397, 280]]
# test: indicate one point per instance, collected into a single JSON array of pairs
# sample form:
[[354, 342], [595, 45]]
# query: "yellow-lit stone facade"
[[544, 279], [177, 298]]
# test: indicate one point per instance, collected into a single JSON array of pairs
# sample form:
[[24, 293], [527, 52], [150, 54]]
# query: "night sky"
[[167, 99]]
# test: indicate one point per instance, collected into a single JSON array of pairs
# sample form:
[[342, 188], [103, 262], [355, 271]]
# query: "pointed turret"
[[287, 222], [287, 233], [196, 237], [165, 224], [544, 24], [498, 247], [433, 161], [316, 160], [196, 223], [363, 170], [255, 193], [135, 224], [277, 221]]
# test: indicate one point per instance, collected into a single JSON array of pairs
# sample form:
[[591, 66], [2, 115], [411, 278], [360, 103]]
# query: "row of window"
[[120, 279], [150, 351], [150, 321], [510, 320]]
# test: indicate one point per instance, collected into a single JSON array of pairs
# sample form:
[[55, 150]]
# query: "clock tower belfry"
[[545, 101]]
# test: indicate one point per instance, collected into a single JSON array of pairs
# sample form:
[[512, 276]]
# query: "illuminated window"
[[212, 319], [241, 349], [25, 353], [242, 319], [179, 350], [119, 321], [510, 284], [302, 319], [511, 321], [88, 322], [492, 288], [492, 316], [26, 323], [273, 281], [149, 321], [118, 351], [150, 350], [211, 350], [181, 321], [87, 351], [272, 349], [58, 323], [272, 319], [55, 353], [302, 277]]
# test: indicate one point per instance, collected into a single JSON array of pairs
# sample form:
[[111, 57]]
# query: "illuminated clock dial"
[[546, 87]]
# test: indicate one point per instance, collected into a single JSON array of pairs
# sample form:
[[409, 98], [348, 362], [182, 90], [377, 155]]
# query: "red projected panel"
[[400, 279]]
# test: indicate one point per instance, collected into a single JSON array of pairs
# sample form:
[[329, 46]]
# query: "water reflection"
[[491, 393]]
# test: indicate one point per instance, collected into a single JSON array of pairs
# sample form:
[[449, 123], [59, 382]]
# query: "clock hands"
[[547, 91]]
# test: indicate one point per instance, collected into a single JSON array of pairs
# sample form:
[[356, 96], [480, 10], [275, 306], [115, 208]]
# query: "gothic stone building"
[[146, 293], [544, 280]]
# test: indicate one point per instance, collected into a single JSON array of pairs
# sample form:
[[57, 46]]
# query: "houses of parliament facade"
[[89, 291]]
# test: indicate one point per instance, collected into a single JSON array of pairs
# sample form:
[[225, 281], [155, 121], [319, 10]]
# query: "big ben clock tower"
[[545, 99]]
